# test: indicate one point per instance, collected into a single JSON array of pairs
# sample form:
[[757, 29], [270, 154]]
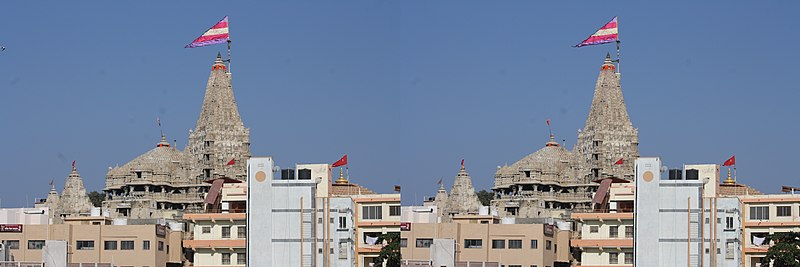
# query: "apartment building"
[[681, 220], [217, 236], [120, 245], [540, 245], [767, 214], [376, 214], [605, 233], [297, 221]]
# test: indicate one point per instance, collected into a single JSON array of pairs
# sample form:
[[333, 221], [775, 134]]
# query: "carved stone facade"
[[165, 181], [461, 200], [553, 181]]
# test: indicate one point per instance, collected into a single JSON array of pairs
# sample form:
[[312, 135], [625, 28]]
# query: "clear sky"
[[405, 88]]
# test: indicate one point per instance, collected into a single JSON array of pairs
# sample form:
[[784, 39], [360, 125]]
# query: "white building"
[[682, 221], [292, 218]]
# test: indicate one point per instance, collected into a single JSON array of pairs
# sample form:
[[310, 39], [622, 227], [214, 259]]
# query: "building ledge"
[[603, 243], [603, 216], [214, 216], [214, 244], [760, 250], [379, 223], [771, 224]]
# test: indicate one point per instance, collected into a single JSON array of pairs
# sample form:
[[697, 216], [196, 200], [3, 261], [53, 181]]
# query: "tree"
[[97, 198], [390, 253], [785, 252], [485, 197]]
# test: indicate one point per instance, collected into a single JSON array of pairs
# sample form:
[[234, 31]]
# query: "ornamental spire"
[[608, 134]]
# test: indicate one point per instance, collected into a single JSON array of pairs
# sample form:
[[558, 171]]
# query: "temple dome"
[[551, 159], [161, 159]]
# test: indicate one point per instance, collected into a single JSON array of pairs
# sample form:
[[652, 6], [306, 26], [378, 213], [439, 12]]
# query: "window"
[[372, 212], [35, 244], [160, 245], [629, 257], [241, 231], [226, 259], [473, 243], [146, 245], [759, 213], [84, 245], [613, 258], [534, 244], [126, 245], [342, 222], [241, 258], [629, 231], [394, 210], [613, 231], [729, 223], [784, 211], [424, 242], [206, 229], [110, 245], [344, 247], [548, 244], [594, 229], [403, 242], [12, 244], [498, 243], [514, 243], [729, 247], [226, 232]]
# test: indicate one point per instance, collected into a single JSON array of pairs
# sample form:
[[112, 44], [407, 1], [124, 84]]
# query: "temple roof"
[[552, 158], [160, 159], [219, 105]]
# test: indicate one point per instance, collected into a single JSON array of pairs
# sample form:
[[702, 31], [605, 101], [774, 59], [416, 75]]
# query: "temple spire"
[[220, 135], [608, 134]]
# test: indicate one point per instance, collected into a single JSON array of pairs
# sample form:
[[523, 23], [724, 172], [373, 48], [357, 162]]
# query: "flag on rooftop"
[[216, 35], [606, 34], [730, 161], [341, 162]]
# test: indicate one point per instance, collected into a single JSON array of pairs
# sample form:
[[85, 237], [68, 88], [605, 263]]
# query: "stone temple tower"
[[608, 135], [220, 144], [462, 198], [73, 200]]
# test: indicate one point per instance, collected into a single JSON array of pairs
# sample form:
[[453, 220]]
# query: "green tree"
[[390, 253], [785, 252], [97, 198], [485, 197]]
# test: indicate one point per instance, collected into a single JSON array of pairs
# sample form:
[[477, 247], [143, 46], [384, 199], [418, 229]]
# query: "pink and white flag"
[[216, 35], [606, 34]]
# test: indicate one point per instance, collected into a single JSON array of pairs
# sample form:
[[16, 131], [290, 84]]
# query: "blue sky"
[[405, 88]]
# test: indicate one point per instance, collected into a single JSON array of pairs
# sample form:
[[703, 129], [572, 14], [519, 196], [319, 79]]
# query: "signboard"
[[10, 228], [548, 230], [161, 230], [405, 226]]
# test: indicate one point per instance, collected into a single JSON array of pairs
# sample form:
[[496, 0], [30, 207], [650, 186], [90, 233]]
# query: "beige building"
[[605, 233], [767, 214], [376, 214], [218, 236], [540, 245], [94, 240]]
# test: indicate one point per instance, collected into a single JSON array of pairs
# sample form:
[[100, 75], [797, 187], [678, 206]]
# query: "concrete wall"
[[525, 256], [137, 257]]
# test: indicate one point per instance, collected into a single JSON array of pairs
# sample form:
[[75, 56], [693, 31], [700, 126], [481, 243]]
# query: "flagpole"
[[618, 55], [229, 54]]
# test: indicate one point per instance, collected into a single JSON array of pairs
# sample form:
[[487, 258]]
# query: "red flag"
[[73, 164], [440, 181], [341, 162], [462, 163], [548, 122], [730, 161], [619, 162], [233, 161]]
